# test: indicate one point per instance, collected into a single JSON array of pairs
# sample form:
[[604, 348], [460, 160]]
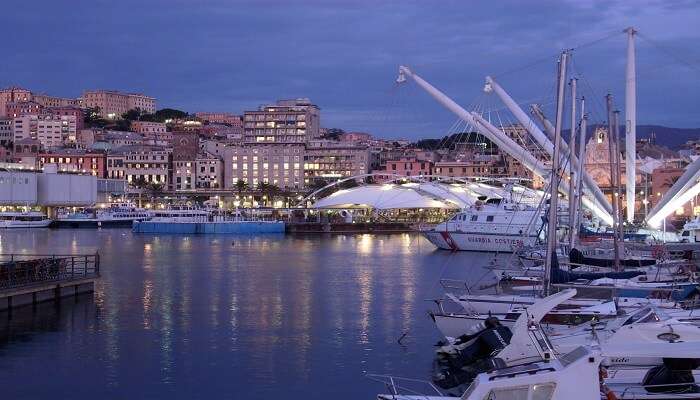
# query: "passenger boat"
[[192, 220], [117, 214], [493, 226], [19, 219]]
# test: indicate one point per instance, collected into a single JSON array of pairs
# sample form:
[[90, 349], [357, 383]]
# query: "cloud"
[[233, 55]]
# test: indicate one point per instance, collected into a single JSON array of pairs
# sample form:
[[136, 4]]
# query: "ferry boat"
[[117, 214], [493, 226], [691, 231], [190, 220], [19, 219]]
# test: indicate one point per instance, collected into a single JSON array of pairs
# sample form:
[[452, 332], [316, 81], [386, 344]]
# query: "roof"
[[423, 195]]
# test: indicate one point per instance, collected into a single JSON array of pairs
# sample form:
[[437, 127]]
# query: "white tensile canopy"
[[419, 195]]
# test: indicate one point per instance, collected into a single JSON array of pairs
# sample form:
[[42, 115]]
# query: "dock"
[[28, 279]]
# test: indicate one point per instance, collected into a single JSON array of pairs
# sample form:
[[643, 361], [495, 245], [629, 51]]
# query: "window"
[[489, 218], [475, 217]]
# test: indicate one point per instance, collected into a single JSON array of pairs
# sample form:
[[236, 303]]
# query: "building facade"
[[286, 122], [112, 104], [147, 127], [330, 160], [277, 165]]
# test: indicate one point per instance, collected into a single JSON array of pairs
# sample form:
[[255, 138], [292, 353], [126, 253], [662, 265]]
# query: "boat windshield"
[[646, 314], [573, 355]]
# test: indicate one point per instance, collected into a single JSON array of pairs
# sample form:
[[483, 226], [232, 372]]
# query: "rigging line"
[[550, 56], [669, 52]]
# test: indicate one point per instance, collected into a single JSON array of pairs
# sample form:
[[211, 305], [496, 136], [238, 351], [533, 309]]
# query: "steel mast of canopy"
[[498, 137]]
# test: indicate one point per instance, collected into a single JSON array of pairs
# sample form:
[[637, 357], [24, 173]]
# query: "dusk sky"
[[233, 56]]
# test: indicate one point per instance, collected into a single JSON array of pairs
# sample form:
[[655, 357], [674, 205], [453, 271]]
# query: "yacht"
[[491, 226], [26, 219], [117, 214], [641, 358]]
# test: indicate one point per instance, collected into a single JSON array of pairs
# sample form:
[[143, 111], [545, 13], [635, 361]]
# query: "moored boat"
[[493, 226], [19, 219]]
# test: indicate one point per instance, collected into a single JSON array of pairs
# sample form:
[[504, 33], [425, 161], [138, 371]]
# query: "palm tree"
[[241, 186]]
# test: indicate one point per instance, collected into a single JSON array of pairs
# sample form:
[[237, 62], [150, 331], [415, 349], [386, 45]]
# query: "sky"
[[344, 55]]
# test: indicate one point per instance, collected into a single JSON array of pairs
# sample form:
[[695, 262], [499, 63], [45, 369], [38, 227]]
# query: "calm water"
[[226, 317]]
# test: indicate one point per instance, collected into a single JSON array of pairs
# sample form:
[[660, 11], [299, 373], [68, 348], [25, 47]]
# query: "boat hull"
[[460, 241], [25, 224], [237, 227], [92, 223]]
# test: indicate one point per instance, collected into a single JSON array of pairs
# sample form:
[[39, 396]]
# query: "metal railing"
[[19, 270]]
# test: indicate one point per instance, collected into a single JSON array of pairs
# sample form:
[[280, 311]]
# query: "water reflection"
[[225, 316]]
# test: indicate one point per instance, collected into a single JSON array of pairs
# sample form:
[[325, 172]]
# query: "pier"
[[28, 279]]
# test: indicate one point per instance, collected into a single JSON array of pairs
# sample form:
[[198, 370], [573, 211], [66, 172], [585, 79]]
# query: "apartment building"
[[6, 133], [112, 104], [279, 165], [330, 160], [286, 122], [148, 128], [13, 95], [75, 160]]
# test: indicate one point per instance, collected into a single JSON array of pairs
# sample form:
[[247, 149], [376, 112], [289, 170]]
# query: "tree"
[[164, 114], [241, 186], [132, 115], [334, 133]]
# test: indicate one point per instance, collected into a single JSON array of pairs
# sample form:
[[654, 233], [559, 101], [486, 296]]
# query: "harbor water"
[[229, 317]]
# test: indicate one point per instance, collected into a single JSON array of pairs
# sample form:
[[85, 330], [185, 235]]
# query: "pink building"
[[70, 111], [409, 167], [17, 109], [220, 118], [148, 128]]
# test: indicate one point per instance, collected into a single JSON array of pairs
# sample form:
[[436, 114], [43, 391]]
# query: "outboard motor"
[[673, 376], [472, 355]]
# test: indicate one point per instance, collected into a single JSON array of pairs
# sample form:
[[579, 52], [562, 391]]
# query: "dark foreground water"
[[228, 317]]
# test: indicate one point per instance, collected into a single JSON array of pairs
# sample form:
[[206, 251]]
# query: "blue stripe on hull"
[[208, 227]]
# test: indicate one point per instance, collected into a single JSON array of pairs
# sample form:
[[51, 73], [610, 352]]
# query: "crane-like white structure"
[[680, 193], [498, 137], [546, 144], [630, 123]]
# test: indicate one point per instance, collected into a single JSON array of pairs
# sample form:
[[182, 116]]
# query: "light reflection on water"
[[226, 316]]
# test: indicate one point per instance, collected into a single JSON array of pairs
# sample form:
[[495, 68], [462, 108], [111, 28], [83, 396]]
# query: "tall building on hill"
[[112, 104], [293, 121], [13, 95]]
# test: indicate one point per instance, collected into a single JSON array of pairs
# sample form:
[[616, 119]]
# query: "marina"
[[313, 200]]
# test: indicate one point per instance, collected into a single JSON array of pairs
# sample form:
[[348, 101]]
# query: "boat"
[[116, 214], [491, 226], [640, 358], [192, 220], [23, 219], [691, 231]]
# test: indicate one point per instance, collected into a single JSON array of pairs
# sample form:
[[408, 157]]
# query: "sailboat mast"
[[554, 178], [572, 174], [618, 171], [613, 180], [581, 155], [630, 123]]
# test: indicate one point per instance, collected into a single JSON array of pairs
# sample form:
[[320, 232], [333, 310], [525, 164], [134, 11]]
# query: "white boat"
[[189, 220], [494, 226], [691, 231], [117, 214], [638, 359], [28, 219], [181, 214]]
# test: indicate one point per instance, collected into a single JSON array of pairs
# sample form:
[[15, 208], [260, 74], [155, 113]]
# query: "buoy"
[[233, 243]]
